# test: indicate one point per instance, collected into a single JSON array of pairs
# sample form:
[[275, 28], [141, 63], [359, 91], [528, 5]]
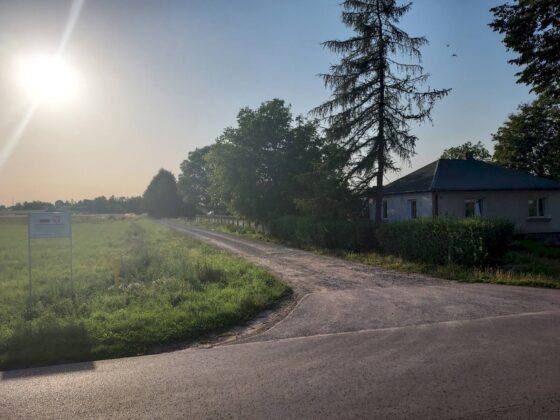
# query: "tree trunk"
[[379, 194], [381, 124]]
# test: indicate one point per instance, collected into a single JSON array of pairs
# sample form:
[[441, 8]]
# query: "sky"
[[155, 80]]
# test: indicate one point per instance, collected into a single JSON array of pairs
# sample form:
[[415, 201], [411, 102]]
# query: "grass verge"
[[169, 289], [527, 262]]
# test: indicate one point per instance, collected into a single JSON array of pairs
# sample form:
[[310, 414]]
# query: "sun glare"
[[47, 79]]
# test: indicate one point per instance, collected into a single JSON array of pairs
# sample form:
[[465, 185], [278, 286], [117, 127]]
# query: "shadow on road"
[[46, 371], [50, 342]]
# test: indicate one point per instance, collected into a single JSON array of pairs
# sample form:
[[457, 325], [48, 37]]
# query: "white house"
[[472, 188]]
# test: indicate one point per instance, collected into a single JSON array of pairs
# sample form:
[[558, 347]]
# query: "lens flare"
[[43, 79], [47, 79]]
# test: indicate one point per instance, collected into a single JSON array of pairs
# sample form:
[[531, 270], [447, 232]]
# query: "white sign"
[[49, 225]]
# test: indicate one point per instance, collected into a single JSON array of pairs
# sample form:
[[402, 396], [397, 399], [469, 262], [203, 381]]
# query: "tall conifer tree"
[[376, 92]]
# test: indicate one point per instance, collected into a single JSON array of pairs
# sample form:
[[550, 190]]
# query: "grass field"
[[169, 289], [527, 263]]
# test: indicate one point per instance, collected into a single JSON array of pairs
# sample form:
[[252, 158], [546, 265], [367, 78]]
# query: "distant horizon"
[[72, 201], [158, 81]]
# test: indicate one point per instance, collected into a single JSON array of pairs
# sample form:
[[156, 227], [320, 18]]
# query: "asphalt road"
[[361, 342]]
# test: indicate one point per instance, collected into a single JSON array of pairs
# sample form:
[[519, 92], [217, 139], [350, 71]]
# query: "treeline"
[[273, 164], [97, 205], [269, 165]]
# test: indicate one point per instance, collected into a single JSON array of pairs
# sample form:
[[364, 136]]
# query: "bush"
[[308, 232], [469, 242]]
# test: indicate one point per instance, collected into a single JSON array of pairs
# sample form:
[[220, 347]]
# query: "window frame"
[[412, 215], [384, 210], [477, 207], [537, 207], [468, 202]]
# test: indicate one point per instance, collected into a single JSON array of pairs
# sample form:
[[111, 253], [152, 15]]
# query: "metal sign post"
[[29, 259], [48, 225], [71, 254]]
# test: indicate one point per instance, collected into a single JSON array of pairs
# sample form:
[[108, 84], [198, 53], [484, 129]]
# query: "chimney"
[[469, 156]]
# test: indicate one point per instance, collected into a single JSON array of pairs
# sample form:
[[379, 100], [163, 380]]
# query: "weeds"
[[169, 289], [505, 274]]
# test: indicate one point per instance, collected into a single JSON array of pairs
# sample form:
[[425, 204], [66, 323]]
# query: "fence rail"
[[230, 220]]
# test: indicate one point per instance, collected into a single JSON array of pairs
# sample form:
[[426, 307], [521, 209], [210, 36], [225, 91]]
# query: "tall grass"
[[169, 289], [509, 274]]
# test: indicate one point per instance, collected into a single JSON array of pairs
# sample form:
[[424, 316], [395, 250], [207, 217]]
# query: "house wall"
[[397, 206], [511, 205]]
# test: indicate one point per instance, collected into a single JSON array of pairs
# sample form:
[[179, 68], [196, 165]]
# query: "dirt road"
[[340, 296]]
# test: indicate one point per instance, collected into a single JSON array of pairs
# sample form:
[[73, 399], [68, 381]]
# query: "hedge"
[[308, 232], [469, 242]]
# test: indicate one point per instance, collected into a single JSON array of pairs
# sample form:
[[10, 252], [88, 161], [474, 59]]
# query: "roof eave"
[[471, 190], [408, 192]]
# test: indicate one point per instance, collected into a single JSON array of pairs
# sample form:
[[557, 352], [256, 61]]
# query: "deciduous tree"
[[257, 167], [161, 198], [475, 150], [530, 139], [531, 28], [194, 183]]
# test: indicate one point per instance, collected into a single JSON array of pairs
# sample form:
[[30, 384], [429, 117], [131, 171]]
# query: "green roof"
[[467, 175]]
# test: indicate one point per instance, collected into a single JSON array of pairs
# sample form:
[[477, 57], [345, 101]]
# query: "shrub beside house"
[[464, 188]]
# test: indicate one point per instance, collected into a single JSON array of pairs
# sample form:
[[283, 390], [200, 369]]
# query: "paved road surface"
[[361, 342]]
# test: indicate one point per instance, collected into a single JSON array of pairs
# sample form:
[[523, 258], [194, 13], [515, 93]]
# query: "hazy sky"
[[158, 79]]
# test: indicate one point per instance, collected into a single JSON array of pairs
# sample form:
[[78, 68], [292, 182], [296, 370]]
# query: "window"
[[473, 208], [469, 208], [412, 214], [384, 210], [537, 207]]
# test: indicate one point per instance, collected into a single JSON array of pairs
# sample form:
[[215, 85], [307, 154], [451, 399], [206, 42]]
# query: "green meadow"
[[137, 286]]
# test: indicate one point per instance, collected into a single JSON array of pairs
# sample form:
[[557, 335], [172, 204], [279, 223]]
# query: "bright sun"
[[47, 79]]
